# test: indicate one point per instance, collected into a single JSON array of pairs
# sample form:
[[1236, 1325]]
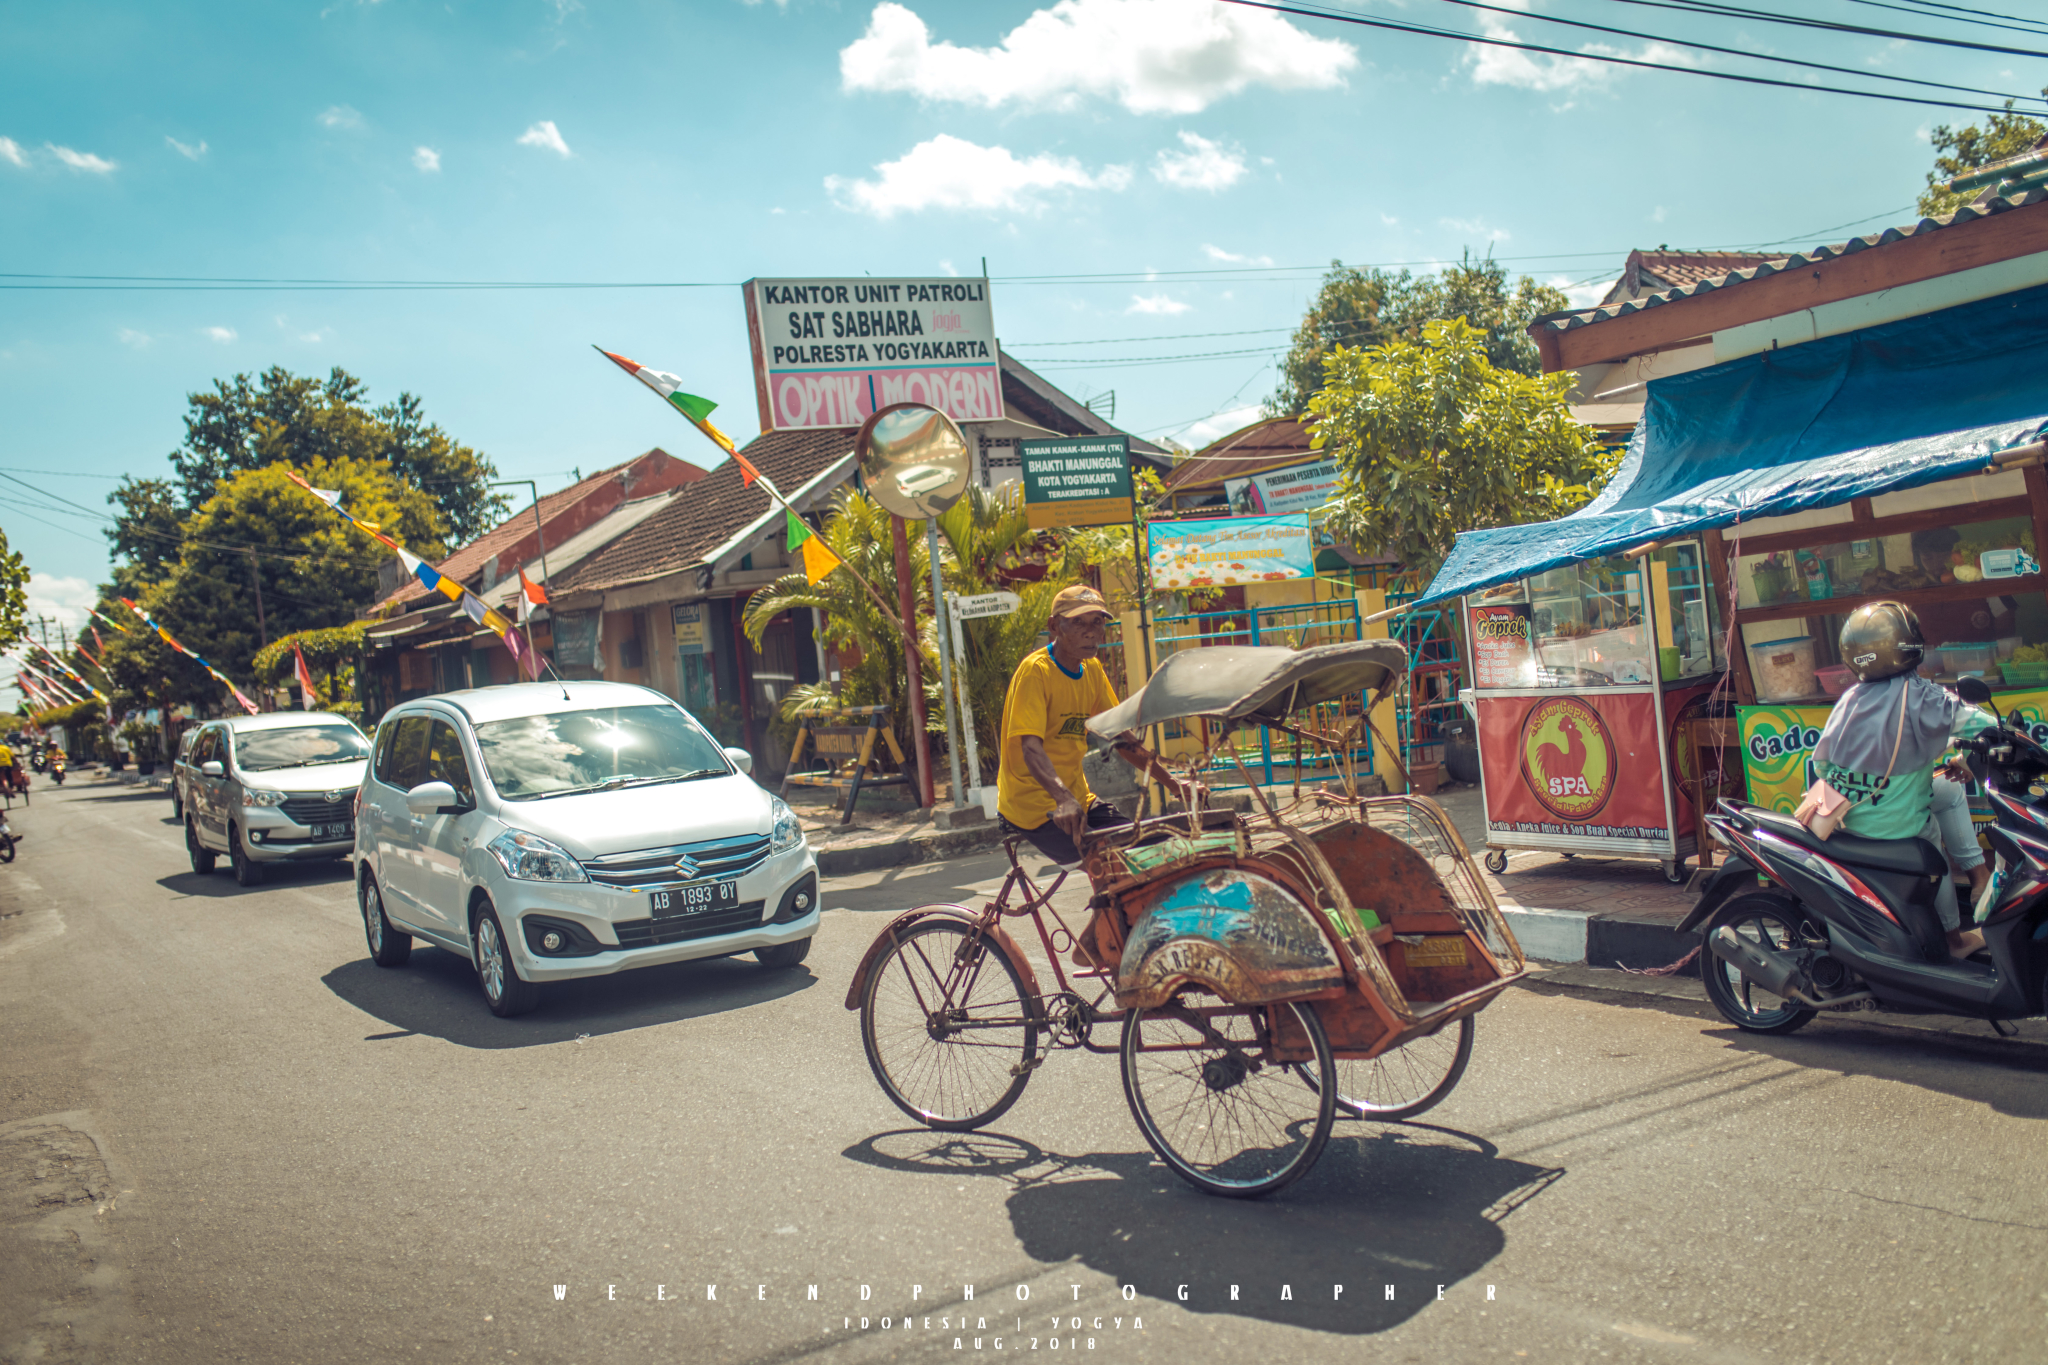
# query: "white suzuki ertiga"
[[556, 830]]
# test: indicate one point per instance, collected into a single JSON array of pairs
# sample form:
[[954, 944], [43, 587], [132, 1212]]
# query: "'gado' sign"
[[828, 353]]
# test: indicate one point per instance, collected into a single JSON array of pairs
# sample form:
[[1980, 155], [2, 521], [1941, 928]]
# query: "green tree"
[[13, 594], [1368, 307], [315, 569], [1433, 438], [1958, 151], [244, 424]]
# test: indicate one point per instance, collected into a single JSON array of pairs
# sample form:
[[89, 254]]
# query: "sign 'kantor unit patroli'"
[[1077, 481], [828, 353]]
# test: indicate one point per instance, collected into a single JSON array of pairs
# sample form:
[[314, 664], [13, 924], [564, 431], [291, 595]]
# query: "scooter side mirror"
[[1975, 691]]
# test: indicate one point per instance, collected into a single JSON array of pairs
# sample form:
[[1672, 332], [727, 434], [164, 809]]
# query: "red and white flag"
[[309, 695], [531, 595]]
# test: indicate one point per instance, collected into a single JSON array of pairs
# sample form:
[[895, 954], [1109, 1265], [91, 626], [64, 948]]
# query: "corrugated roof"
[[1586, 317], [469, 561], [708, 513], [1271, 444]]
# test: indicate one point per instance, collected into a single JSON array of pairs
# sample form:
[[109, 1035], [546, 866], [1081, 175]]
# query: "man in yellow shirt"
[[1041, 792]]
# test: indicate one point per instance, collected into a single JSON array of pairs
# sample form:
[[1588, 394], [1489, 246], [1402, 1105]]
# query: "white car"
[[271, 788], [548, 831]]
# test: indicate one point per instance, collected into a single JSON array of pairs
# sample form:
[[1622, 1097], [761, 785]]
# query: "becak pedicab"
[[1271, 972]]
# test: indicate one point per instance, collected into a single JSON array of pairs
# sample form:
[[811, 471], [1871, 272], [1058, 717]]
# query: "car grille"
[[716, 859], [312, 810], [652, 933]]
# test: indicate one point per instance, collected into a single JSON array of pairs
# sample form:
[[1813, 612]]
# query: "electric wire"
[[1717, 9], [1957, 17], [1484, 40]]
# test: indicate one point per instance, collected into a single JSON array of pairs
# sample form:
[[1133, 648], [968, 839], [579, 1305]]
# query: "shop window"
[[1586, 625]]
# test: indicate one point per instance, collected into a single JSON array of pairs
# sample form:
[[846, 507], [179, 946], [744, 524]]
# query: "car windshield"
[[573, 751], [303, 746]]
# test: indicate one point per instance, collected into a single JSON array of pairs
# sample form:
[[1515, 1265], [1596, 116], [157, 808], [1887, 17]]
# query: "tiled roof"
[[1586, 317], [1265, 445], [709, 513], [1648, 272], [466, 563]]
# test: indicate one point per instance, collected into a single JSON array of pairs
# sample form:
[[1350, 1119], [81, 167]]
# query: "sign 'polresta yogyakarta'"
[[828, 353]]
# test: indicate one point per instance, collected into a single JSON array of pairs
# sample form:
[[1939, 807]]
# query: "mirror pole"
[[931, 540], [913, 668]]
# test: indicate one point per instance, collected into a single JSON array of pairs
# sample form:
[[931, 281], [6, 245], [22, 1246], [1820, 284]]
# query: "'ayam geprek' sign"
[[828, 353]]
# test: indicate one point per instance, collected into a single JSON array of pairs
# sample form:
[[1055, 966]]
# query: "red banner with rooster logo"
[[1578, 764]]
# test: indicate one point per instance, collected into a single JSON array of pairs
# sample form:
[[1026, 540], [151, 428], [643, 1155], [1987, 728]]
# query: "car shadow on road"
[[1414, 1206], [221, 882], [124, 794], [436, 993], [2007, 1077]]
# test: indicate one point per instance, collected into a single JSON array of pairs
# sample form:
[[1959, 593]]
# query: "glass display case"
[[1584, 625]]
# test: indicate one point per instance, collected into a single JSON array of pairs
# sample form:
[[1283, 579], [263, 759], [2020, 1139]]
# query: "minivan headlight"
[[530, 858], [256, 796], [787, 834]]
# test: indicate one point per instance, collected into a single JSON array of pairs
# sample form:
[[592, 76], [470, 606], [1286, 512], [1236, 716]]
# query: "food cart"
[[1580, 674], [1762, 499]]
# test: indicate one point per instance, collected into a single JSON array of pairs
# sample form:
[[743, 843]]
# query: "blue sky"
[[550, 140]]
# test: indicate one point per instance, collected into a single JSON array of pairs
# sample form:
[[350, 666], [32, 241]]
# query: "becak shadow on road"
[[1408, 1205]]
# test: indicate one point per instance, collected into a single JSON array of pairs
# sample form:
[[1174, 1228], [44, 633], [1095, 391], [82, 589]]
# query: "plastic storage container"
[[1783, 669], [1967, 658], [2008, 645], [1834, 679]]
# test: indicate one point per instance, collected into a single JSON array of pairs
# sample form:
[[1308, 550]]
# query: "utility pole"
[[541, 545], [256, 577]]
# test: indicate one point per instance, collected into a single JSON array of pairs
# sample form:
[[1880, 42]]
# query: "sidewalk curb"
[[1605, 939], [2033, 1033], [920, 848]]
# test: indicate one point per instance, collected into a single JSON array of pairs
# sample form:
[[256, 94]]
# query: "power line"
[[1430, 31], [1957, 16], [1962, 9], [1725, 11], [1733, 51]]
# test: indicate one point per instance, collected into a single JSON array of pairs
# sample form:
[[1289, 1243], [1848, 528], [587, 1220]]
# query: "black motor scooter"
[[1794, 924]]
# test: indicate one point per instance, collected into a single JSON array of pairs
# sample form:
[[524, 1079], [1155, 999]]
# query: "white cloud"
[[340, 116], [426, 158], [80, 161], [63, 599], [221, 334], [128, 336], [1474, 227], [946, 172], [1542, 72], [1389, 219], [10, 150], [1218, 425], [545, 135], [186, 150], [1581, 295], [947, 266], [1157, 303], [1151, 56], [1217, 253], [1205, 165], [1658, 215]]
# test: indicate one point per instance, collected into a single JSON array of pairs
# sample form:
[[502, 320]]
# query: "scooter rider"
[[1882, 742]]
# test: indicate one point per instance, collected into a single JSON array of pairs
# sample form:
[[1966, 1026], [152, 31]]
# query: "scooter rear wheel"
[[1769, 921]]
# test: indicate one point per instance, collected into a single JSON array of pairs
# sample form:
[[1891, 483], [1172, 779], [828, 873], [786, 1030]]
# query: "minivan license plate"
[[691, 900], [341, 831]]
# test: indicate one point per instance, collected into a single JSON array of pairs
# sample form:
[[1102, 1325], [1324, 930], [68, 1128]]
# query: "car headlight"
[[787, 834], [256, 796], [530, 858]]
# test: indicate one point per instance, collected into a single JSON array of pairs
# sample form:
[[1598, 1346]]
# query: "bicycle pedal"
[[1023, 1068]]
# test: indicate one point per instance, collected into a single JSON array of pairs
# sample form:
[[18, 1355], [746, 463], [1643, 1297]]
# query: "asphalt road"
[[226, 1135]]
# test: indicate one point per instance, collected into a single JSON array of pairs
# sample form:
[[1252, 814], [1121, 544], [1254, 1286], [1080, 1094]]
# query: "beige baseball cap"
[[1078, 600]]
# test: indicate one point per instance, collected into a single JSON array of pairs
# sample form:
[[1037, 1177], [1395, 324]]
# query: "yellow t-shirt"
[[6, 755], [1047, 701]]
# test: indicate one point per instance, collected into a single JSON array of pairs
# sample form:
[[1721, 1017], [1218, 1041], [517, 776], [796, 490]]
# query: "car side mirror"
[[742, 760], [1975, 691], [211, 768], [434, 798]]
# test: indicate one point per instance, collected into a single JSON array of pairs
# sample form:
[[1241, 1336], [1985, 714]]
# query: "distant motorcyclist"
[[1883, 740]]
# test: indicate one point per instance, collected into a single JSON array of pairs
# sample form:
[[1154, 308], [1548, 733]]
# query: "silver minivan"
[[272, 788], [548, 831]]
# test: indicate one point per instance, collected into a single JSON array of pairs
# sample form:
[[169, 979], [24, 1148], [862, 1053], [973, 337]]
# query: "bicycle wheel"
[[1223, 1112], [947, 1026], [6, 847], [1404, 1081]]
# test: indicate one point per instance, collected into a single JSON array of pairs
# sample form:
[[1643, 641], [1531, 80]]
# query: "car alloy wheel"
[[490, 959]]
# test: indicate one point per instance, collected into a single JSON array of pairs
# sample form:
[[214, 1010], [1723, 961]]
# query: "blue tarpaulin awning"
[[1874, 411]]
